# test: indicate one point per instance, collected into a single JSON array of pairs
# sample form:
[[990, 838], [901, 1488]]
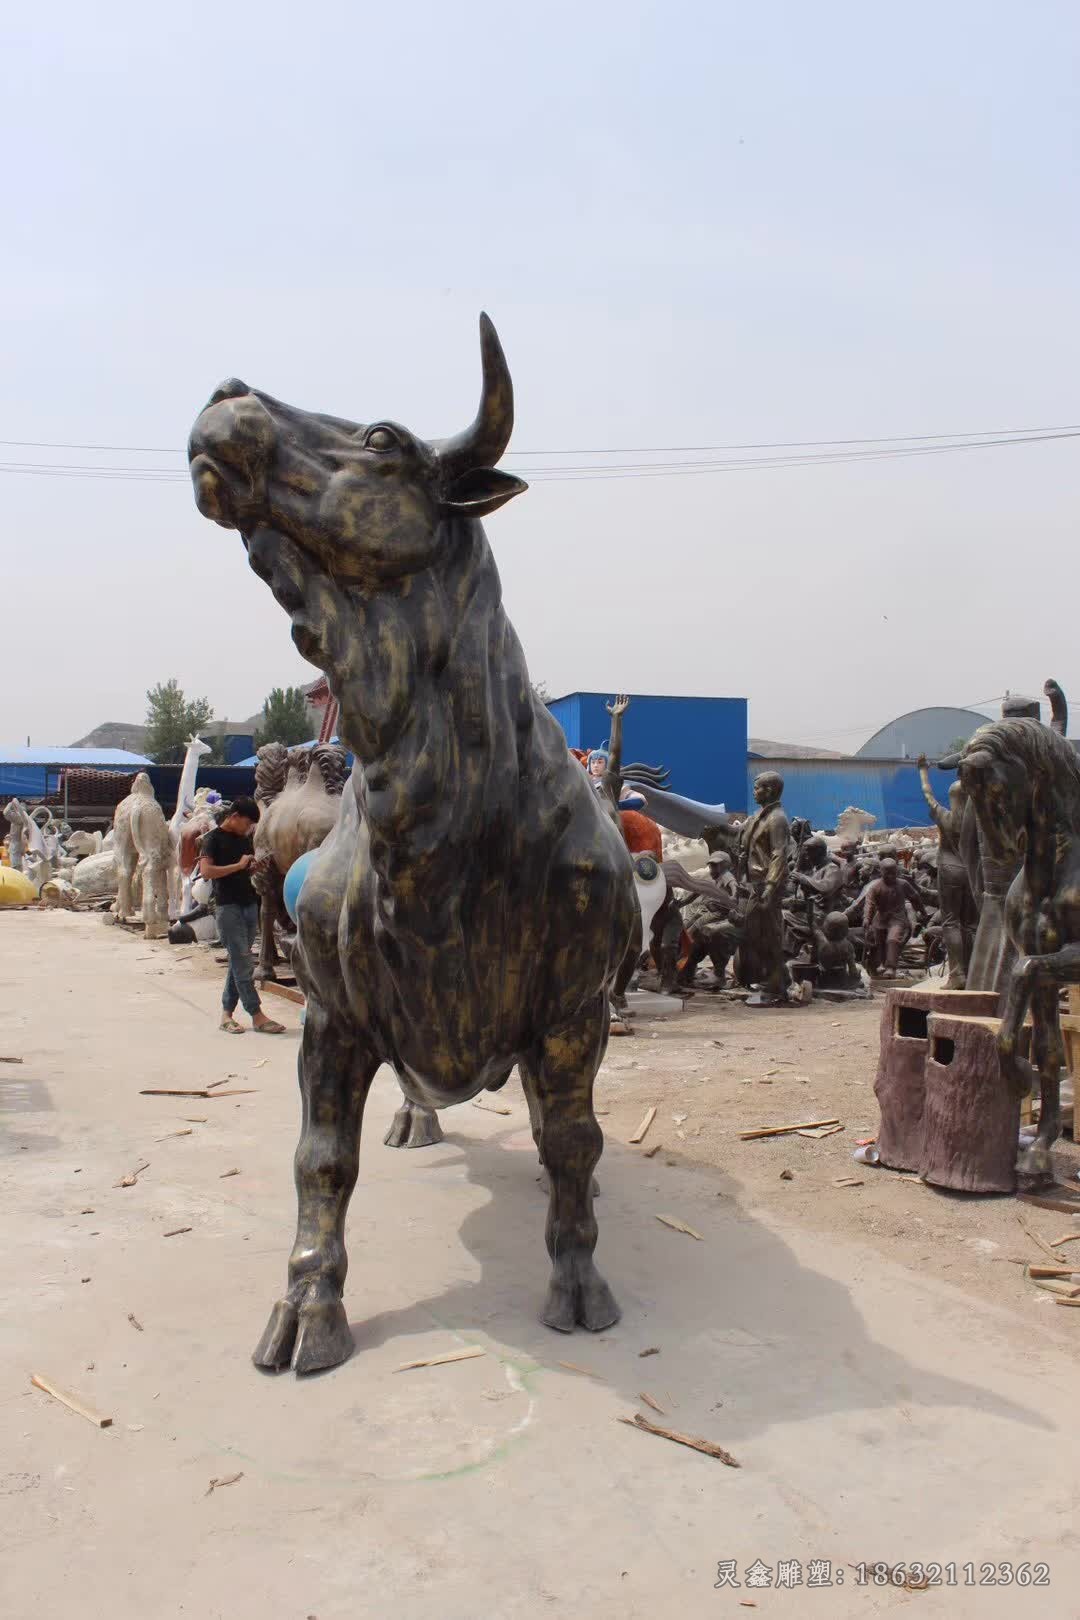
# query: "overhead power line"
[[804, 453]]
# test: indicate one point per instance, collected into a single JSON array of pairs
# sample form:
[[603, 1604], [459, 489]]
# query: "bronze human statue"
[[817, 874], [1024, 782], [886, 926], [834, 953], [471, 907], [759, 846], [958, 912]]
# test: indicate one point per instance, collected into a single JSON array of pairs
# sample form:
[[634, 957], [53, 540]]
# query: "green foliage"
[[542, 690], [171, 720], [285, 718]]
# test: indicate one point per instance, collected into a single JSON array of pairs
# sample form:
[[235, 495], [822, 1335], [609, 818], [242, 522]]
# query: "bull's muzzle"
[[228, 452]]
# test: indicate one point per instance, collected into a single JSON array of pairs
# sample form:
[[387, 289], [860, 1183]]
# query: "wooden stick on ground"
[[784, 1130], [437, 1361], [643, 1129], [490, 1108], [1070, 1237], [10, 1060], [1035, 1238], [680, 1226], [160, 1091], [642, 1396], [71, 1401], [639, 1422]]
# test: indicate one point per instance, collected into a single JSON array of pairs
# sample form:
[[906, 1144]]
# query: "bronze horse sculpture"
[[471, 907], [1023, 779]]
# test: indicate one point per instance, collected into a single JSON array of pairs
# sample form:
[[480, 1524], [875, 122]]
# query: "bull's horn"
[[482, 444]]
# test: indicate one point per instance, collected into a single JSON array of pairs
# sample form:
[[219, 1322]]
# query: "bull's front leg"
[[560, 1075], [308, 1327], [1034, 1166]]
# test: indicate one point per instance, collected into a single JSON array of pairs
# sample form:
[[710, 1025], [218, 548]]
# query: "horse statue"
[[1023, 779]]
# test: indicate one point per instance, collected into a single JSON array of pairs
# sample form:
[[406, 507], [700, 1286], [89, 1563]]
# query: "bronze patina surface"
[[471, 907]]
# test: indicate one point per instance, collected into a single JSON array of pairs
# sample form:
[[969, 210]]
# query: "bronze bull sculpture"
[[475, 900]]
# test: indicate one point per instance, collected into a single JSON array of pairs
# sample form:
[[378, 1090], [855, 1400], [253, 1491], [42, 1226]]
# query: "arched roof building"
[[924, 731]]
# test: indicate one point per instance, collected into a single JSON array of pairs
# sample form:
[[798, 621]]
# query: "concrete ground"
[[877, 1414]]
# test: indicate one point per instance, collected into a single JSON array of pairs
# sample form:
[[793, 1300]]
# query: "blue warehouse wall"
[[702, 741], [820, 789]]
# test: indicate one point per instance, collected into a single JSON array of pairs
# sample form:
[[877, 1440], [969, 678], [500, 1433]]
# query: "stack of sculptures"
[[298, 790], [475, 899]]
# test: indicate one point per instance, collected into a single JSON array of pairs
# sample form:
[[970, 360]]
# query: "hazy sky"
[[707, 224]]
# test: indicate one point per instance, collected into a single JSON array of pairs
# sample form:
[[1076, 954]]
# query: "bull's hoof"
[[310, 1338], [578, 1296], [274, 1349], [414, 1127], [322, 1338]]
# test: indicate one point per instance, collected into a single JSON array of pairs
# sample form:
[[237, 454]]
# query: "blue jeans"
[[238, 926]]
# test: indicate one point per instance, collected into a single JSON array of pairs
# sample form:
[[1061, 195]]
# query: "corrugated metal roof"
[[92, 759]]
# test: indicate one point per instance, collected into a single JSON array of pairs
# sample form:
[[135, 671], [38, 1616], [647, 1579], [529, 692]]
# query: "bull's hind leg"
[[308, 1327], [560, 1075]]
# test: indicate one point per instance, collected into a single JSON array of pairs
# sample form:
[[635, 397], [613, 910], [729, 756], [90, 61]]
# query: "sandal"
[[231, 1027], [269, 1028]]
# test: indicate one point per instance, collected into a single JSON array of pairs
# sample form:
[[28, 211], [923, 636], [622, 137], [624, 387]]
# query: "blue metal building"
[[820, 789], [701, 740]]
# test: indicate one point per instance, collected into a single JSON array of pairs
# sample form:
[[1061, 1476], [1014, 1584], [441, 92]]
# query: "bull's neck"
[[435, 689]]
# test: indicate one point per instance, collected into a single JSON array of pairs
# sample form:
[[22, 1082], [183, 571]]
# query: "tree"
[[171, 721], [542, 690], [285, 718]]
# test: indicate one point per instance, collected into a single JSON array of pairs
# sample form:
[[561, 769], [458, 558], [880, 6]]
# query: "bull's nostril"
[[231, 388]]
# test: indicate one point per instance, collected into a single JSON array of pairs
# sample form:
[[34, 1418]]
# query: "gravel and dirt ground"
[[891, 1387]]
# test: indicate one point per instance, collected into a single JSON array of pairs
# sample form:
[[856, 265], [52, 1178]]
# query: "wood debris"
[[818, 1131], [572, 1366], [1035, 1238], [195, 1119], [847, 1181], [787, 1175], [651, 1153], [437, 1361], [87, 1212], [1051, 1271], [680, 1226], [785, 1130], [71, 1401], [642, 1396], [171, 1134], [227, 1479], [260, 1063], [10, 1060], [130, 1180], [1063, 1299], [283, 990], [653, 1350], [134, 1320], [643, 1129], [177, 1231], [489, 1108], [1070, 1237], [213, 1084], [163, 1091], [226, 1173], [695, 1444]]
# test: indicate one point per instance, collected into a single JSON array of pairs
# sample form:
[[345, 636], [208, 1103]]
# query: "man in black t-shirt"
[[226, 858]]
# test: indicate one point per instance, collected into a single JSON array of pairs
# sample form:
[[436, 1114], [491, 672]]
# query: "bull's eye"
[[380, 438]]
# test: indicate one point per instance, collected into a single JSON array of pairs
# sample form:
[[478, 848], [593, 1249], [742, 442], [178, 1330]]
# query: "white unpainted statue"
[[81, 844], [95, 876], [186, 806], [144, 859], [19, 823]]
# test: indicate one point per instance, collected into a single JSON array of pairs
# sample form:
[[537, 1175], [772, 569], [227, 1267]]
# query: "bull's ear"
[[481, 491]]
